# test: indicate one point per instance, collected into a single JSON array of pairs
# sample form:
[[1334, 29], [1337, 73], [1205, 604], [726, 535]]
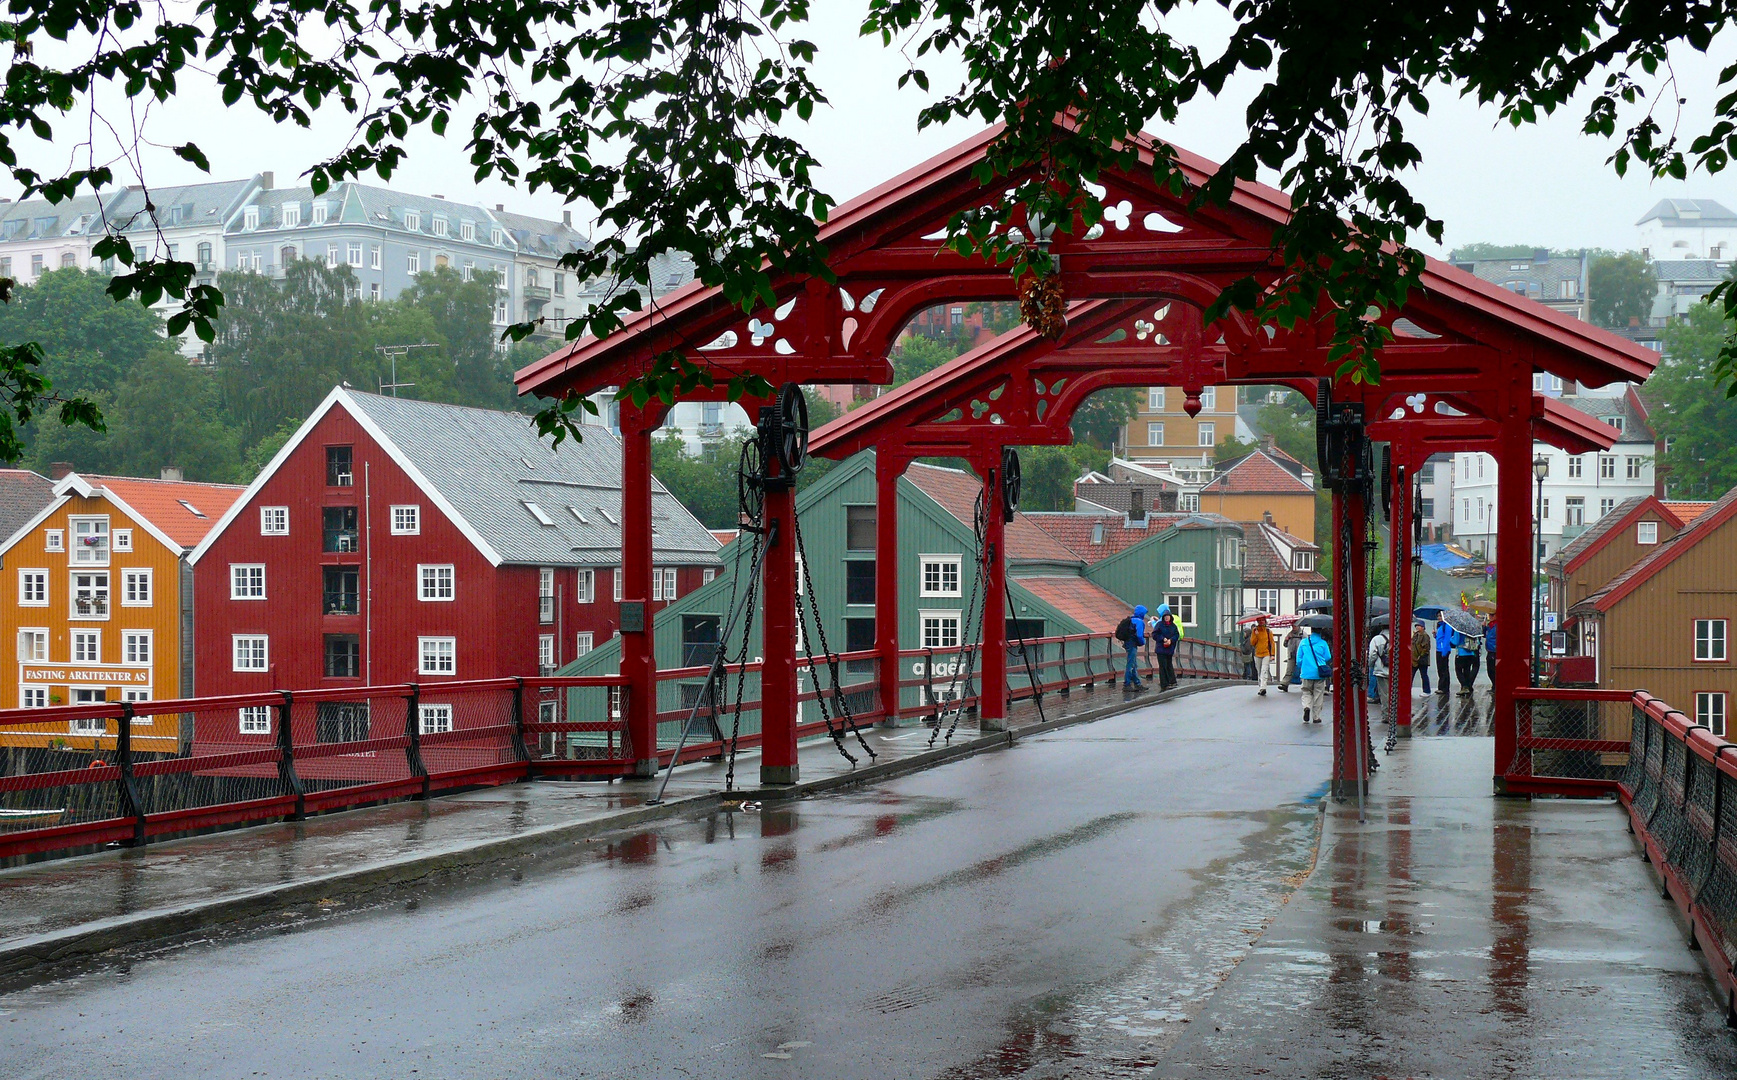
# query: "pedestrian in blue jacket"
[[1164, 644], [1444, 645], [1315, 662]]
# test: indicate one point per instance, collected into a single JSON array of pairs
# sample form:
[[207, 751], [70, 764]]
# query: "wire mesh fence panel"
[[1695, 843], [466, 733], [1717, 894], [1634, 771], [1647, 799], [58, 771], [589, 722], [1667, 825], [351, 740], [226, 753], [1581, 739], [688, 700]]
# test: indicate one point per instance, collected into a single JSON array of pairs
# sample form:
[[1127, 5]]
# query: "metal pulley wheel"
[[792, 448], [1010, 482], [750, 483]]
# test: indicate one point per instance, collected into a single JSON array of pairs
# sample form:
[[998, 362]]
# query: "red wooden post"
[[778, 689], [992, 702], [1344, 759], [1399, 574], [638, 648], [1356, 617], [1513, 569], [889, 466]]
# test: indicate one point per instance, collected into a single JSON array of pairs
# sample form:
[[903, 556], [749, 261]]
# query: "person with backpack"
[[1265, 649], [1131, 632], [1444, 645], [1164, 644], [1315, 662], [1377, 665], [1466, 660], [1290, 677]]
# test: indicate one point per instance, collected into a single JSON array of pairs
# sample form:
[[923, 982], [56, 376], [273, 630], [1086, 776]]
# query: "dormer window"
[[413, 220], [250, 218], [319, 213], [292, 215], [1302, 560], [495, 237], [467, 230], [1617, 422], [1098, 532], [439, 226]]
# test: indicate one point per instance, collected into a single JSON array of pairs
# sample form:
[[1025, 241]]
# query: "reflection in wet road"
[[1062, 908]]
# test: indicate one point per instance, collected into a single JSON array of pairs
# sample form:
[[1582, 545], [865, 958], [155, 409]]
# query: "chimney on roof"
[[1267, 516], [442, 197], [500, 208], [1137, 504], [1269, 442], [265, 180], [567, 218], [171, 473], [1540, 254], [59, 470]]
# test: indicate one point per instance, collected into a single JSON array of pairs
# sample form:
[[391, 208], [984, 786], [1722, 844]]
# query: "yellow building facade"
[[1163, 430], [96, 600]]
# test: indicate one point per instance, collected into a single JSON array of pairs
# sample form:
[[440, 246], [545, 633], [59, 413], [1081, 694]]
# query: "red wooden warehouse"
[[397, 541]]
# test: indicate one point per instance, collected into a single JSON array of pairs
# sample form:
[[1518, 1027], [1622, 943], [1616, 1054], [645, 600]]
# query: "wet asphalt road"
[[1063, 907]]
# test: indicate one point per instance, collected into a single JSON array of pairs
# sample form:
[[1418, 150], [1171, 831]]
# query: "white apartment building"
[[1578, 489]]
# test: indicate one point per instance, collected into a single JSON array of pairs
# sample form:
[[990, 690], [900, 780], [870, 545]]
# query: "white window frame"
[[254, 719], [1303, 561], [1607, 466], [138, 575], [585, 587], [938, 621], [1574, 511], [434, 719], [407, 519], [94, 638], [238, 641], [121, 539], [247, 581], [353, 254], [437, 656], [1576, 466], [1632, 467], [940, 563], [99, 553], [107, 597], [292, 215], [618, 583], [374, 259], [428, 582], [1712, 641], [1154, 399], [546, 652], [1208, 434], [137, 693], [1209, 398], [130, 639], [33, 587], [1154, 433], [413, 262], [413, 220], [274, 521], [583, 642], [36, 652], [708, 575], [54, 540], [1175, 600], [1646, 533], [1710, 710], [1267, 600], [33, 697]]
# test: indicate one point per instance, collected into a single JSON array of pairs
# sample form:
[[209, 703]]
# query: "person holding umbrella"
[[1468, 634], [1444, 645], [1315, 661]]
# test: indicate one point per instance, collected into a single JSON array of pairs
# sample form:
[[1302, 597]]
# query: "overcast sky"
[[1545, 184]]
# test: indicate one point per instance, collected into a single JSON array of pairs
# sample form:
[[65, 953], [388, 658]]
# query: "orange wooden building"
[[96, 597]]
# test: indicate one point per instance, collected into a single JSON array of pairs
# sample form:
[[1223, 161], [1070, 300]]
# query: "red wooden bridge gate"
[[1457, 375]]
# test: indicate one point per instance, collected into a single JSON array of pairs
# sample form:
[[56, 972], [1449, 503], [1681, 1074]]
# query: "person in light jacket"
[[1377, 665], [1265, 650], [1315, 662]]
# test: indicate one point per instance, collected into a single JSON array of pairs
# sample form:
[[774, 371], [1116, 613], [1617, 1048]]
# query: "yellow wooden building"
[[97, 600]]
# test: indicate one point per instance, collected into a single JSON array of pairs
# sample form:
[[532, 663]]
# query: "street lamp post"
[[1540, 469]]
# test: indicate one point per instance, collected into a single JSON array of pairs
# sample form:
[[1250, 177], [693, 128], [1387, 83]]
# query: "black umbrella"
[[1316, 605], [1378, 623], [1316, 621]]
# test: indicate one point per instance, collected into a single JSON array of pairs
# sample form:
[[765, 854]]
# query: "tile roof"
[[487, 465], [1705, 525], [1693, 212], [181, 510], [957, 491], [23, 494], [1687, 511], [1263, 563], [1086, 602], [1257, 473], [1076, 531], [1634, 425], [1158, 497], [1607, 526]]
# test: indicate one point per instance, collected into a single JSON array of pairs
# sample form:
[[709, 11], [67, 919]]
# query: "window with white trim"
[[434, 719], [413, 220], [1710, 638], [34, 697], [87, 646], [353, 255], [1576, 467], [247, 581], [663, 583], [90, 541], [1154, 434], [582, 643], [1574, 511], [1181, 606], [33, 588], [407, 520], [136, 587], [1605, 506], [54, 540], [123, 539], [1646, 532], [413, 263], [537, 512], [545, 653], [436, 582], [1632, 467], [1267, 600], [618, 585], [1607, 466], [90, 596], [940, 629], [1710, 710], [940, 576], [33, 644], [1209, 398], [1154, 399], [708, 575], [439, 655], [374, 260], [251, 652], [1302, 560], [136, 693], [256, 720], [274, 521], [136, 648], [1313, 594], [546, 594], [585, 587], [1208, 434]]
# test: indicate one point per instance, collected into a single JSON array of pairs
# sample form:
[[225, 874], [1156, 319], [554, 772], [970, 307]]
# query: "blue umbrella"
[[1429, 612]]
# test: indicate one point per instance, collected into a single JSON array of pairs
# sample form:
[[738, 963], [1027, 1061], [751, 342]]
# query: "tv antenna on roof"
[[393, 352]]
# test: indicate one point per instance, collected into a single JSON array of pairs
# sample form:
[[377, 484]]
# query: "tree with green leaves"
[[669, 123], [1100, 418], [1621, 288], [1696, 422], [1047, 473]]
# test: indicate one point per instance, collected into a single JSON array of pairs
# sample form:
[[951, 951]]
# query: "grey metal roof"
[[23, 494], [1689, 212], [477, 460], [39, 219], [1634, 426], [1711, 271], [540, 236], [180, 207]]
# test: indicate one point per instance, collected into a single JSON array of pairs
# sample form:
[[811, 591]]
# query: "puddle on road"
[[1121, 1027]]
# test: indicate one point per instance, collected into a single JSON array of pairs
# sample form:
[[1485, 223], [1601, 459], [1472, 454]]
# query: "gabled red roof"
[[1076, 532], [1667, 552], [1264, 565], [1085, 602], [173, 506], [1257, 473], [1600, 533], [1687, 511], [957, 493]]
